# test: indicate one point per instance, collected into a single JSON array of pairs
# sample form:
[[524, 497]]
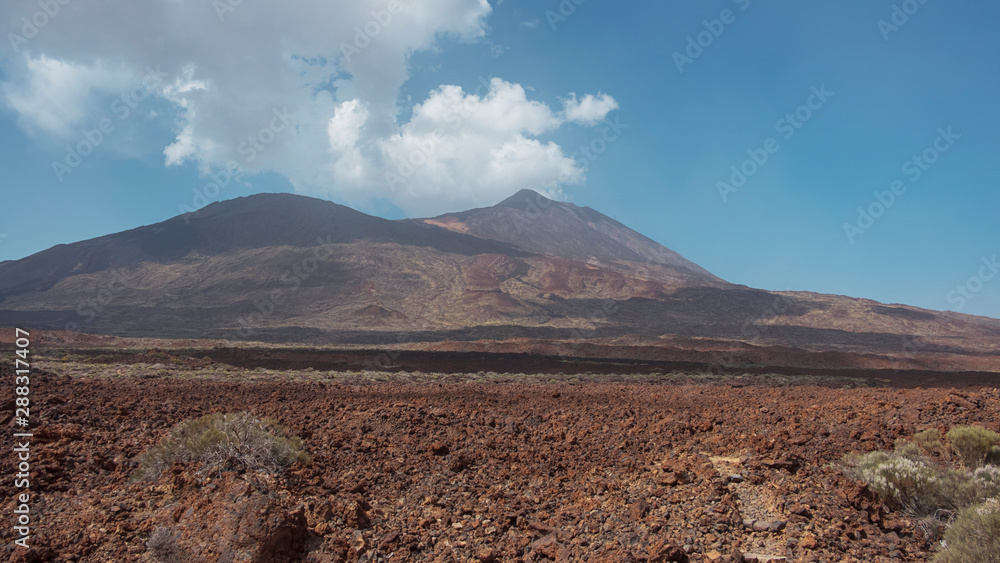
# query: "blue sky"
[[539, 80]]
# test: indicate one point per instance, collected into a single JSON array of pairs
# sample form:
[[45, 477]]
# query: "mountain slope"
[[533, 222], [259, 221]]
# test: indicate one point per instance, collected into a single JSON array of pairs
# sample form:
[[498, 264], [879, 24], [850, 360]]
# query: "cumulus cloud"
[[590, 109], [308, 89], [464, 149]]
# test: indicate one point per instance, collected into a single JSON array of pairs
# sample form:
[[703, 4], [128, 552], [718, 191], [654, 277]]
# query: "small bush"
[[974, 446], [903, 482], [988, 479], [958, 489], [224, 441], [929, 441], [162, 545], [917, 486], [910, 450], [974, 536]]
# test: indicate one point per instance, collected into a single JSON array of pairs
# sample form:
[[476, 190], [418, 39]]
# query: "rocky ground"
[[473, 468]]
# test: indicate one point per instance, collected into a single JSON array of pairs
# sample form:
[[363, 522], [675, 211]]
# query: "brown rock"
[[544, 528], [670, 480], [761, 558], [237, 522], [460, 462], [808, 541], [663, 552], [547, 546], [388, 538], [639, 510], [357, 518], [961, 401]]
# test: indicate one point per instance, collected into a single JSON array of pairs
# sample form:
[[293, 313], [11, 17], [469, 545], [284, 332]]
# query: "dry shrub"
[[162, 545], [224, 442]]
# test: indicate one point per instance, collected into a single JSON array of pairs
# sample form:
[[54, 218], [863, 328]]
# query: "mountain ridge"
[[290, 268]]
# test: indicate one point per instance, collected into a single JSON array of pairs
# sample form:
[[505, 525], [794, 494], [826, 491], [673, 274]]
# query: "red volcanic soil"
[[465, 469]]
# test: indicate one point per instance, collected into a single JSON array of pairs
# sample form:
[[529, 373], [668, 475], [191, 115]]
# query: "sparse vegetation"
[[974, 446], [938, 494], [162, 545], [974, 536], [224, 441], [929, 441]]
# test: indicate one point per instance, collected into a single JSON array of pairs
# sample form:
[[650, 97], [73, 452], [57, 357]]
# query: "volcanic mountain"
[[535, 223], [529, 270]]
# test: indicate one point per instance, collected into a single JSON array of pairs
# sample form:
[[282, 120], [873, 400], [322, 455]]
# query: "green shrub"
[[974, 536], [910, 450], [916, 485], [957, 489], [929, 441], [224, 442], [903, 482], [988, 479], [974, 446]]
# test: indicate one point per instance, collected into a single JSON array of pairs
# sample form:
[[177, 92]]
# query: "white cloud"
[[344, 130], [460, 150], [56, 96], [308, 89], [590, 109], [181, 149], [345, 126]]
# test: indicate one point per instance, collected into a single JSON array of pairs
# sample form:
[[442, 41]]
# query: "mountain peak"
[[525, 199], [535, 223]]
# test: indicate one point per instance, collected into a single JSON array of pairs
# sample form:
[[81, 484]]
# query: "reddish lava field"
[[471, 470]]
